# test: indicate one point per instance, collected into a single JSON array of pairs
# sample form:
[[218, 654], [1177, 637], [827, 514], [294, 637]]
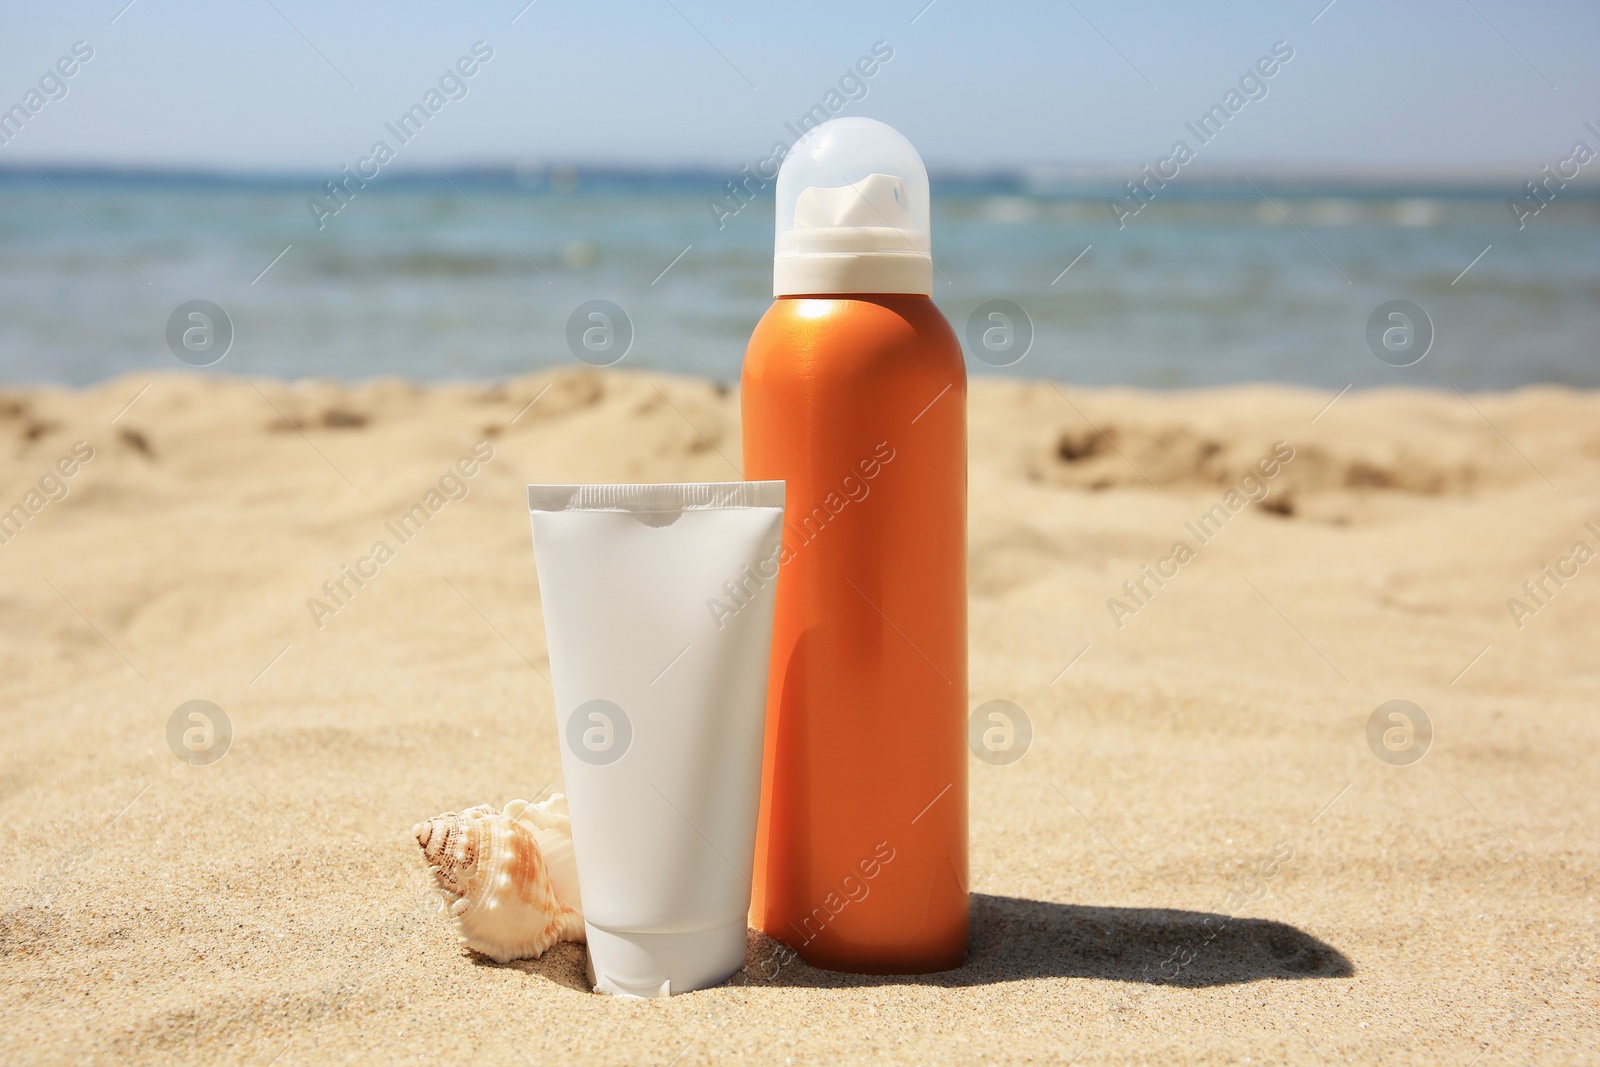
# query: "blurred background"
[[540, 155]]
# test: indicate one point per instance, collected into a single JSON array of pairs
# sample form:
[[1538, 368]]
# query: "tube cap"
[[657, 965], [852, 213]]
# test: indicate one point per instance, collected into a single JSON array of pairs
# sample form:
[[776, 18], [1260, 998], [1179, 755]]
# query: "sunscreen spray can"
[[854, 394]]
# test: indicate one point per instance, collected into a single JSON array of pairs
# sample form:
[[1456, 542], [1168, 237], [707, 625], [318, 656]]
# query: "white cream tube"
[[658, 616]]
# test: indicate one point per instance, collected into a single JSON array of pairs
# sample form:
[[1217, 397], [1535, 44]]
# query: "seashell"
[[552, 828], [507, 877]]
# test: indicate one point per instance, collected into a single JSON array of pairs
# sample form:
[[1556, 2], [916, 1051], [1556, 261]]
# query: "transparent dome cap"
[[852, 213]]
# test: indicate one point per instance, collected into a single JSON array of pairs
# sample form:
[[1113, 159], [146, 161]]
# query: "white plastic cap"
[[658, 965], [852, 213]]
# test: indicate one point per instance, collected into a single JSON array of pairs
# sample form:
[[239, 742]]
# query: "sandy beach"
[[1200, 859]]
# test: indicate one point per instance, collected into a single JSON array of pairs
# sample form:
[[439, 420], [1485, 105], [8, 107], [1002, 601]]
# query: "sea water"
[[475, 276]]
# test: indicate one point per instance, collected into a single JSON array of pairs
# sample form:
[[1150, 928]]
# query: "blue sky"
[[1454, 85]]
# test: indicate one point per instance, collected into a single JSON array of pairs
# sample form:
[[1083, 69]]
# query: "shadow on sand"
[[1015, 939]]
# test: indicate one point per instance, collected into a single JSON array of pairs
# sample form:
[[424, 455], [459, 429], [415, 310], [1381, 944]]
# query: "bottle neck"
[[907, 274]]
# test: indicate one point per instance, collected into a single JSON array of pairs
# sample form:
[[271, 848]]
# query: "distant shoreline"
[[1068, 183], [133, 380]]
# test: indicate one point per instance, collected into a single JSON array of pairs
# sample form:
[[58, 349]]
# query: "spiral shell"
[[507, 877]]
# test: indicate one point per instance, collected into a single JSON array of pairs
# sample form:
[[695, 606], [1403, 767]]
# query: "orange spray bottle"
[[854, 393]]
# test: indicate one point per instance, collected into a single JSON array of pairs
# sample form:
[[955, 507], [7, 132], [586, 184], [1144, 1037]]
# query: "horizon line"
[[1068, 180]]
